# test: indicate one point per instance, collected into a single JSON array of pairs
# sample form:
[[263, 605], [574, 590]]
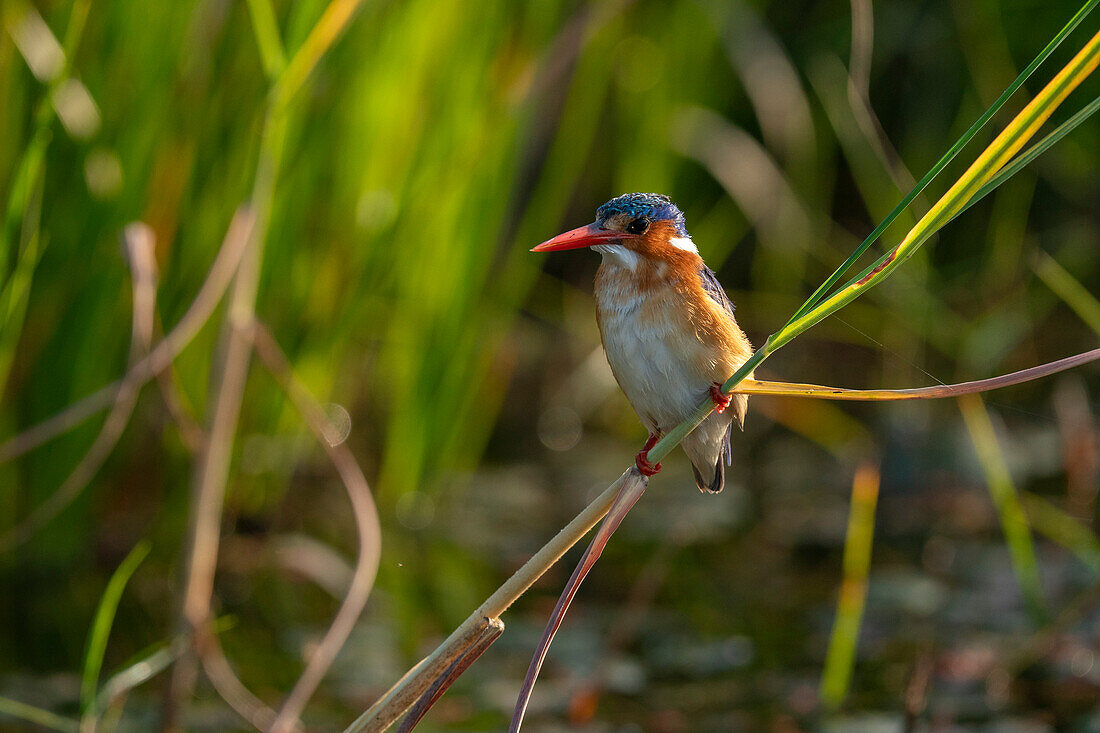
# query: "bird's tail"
[[708, 447], [717, 483]]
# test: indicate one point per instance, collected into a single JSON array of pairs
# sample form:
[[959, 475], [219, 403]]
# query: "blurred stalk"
[[840, 658], [1062, 528], [337, 15], [229, 374], [37, 716], [15, 293], [140, 244], [1069, 289], [25, 196], [1005, 500], [265, 29], [160, 356], [366, 521], [139, 671]]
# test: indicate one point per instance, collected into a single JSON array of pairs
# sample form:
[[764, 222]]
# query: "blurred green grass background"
[[433, 145]]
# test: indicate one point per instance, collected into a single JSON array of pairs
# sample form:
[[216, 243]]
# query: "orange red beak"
[[585, 236]]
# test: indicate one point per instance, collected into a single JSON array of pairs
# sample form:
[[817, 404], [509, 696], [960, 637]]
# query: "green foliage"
[[421, 157], [1006, 499], [104, 618]]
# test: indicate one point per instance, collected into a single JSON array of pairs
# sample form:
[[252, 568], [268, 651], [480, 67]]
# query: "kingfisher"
[[667, 326]]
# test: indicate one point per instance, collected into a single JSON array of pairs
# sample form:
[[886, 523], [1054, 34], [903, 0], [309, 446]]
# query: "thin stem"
[[228, 378], [160, 357], [139, 242], [1069, 289], [364, 512], [225, 681], [135, 674], [266, 30], [40, 717], [491, 631], [625, 499]]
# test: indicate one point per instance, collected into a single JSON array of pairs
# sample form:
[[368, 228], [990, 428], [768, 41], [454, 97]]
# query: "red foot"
[[642, 461], [721, 401]]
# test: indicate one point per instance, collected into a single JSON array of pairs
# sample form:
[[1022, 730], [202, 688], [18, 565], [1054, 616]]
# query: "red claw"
[[647, 468], [721, 401], [642, 459]]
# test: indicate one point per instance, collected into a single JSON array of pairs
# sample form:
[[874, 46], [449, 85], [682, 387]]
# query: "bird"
[[667, 326]]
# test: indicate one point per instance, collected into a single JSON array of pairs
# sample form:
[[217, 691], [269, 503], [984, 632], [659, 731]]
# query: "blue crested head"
[[651, 206]]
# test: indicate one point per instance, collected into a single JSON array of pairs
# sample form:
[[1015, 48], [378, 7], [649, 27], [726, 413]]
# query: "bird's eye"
[[638, 226]]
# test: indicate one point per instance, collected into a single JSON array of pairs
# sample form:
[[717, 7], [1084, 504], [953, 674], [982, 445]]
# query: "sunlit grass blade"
[[1069, 289], [840, 658], [104, 619], [999, 152], [817, 391], [1005, 500], [332, 23], [967, 136], [1032, 153]]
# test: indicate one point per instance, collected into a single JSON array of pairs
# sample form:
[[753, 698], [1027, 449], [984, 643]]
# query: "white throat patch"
[[618, 255], [684, 243]]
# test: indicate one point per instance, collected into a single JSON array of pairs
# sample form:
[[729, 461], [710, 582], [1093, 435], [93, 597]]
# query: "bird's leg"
[[721, 401], [642, 459]]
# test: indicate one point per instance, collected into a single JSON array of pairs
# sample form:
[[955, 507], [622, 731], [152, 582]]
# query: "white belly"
[[649, 346]]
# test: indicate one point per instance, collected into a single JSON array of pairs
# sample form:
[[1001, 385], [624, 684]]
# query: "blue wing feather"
[[714, 289]]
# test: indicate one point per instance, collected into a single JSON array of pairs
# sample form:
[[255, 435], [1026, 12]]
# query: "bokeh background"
[[432, 146]]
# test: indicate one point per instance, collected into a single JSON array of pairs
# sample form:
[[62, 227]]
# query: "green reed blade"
[[834, 278], [1002, 491], [104, 619], [985, 167], [1032, 153]]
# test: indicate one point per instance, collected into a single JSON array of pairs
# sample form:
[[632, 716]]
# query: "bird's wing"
[[714, 289]]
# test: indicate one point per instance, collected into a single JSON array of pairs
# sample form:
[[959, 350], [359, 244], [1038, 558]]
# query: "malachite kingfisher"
[[667, 326]]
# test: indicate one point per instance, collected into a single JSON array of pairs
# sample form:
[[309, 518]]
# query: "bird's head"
[[629, 227]]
